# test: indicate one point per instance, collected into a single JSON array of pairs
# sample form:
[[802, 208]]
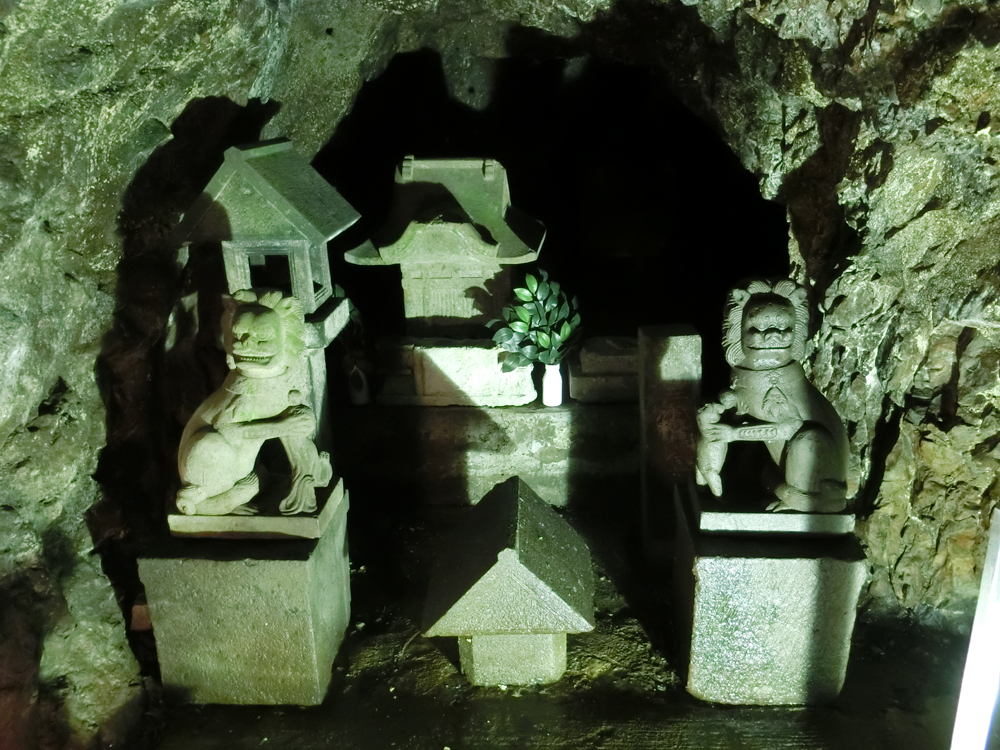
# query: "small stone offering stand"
[[250, 599], [767, 575], [514, 579]]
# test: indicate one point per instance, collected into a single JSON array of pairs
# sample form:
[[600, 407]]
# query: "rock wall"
[[873, 122]]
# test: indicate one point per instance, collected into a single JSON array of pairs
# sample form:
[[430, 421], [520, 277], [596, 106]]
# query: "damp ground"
[[393, 688]]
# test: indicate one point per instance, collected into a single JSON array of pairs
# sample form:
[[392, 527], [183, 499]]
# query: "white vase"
[[552, 386]]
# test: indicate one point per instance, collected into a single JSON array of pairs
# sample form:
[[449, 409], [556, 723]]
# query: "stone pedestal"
[[268, 524], [669, 387], [246, 622], [522, 659], [765, 618]]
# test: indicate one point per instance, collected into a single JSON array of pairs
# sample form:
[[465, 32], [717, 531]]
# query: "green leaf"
[[575, 321], [564, 310], [543, 339], [546, 358], [513, 362], [557, 340], [566, 330], [543, 290], [554, 286], [530, 351], [544, 274], [520, 326], [508, 314], [523, 294], [552, 302], [553, 318], [503, 335], [531, 282], [523, 314]]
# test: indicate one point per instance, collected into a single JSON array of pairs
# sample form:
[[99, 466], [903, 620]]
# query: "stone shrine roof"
[[267, 191], [469, 196], [513, 566]]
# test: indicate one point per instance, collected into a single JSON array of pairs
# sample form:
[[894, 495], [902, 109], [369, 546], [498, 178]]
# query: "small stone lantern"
[[513, 581]]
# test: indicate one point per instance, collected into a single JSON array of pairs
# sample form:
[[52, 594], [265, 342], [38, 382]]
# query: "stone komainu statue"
[[261, 398], [772, 402]]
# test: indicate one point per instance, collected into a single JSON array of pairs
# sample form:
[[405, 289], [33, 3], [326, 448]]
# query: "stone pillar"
[[321, 329], [669, 388], [250, 622], [765, 618]]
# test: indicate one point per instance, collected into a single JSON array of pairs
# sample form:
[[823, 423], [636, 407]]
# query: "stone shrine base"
[[771, 615], [246, 622], [264, 525], [520, 659]]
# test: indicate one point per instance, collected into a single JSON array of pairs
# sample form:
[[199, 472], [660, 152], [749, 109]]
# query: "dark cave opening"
[[651, 218]]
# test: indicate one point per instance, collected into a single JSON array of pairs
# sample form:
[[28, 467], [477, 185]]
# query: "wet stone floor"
[[393, 688]]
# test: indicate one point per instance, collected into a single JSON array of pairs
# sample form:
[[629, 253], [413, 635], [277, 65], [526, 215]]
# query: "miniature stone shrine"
[[764, 334], [767, 601], [513, 580], [273, 215], [261, 399], [453, 232]]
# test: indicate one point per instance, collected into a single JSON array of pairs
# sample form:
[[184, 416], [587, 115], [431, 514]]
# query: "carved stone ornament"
[[262, 398], [772, 402]]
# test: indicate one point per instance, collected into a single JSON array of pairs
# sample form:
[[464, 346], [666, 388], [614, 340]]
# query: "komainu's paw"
[[324, 470], [792, 498]]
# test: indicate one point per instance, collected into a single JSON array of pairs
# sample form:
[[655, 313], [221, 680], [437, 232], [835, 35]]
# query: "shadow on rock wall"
[[147, 389]]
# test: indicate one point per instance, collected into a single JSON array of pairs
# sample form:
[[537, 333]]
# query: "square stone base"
[[513, 659], [768, 620], [250, 622]]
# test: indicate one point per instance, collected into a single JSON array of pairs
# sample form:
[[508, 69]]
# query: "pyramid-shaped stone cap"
[[471, 197], [513, 566], [267, 191]]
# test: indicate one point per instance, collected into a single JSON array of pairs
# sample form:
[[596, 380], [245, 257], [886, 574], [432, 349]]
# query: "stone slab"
[[513, 659], [305, 525], [455, 455], [766, 621], [715, 516], [249, 622], [610, 355], [323, 326], [669, 388], [602, 388], [449, 372]]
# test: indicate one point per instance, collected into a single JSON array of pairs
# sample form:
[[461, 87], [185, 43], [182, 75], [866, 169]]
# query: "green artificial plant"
[[541, 326]]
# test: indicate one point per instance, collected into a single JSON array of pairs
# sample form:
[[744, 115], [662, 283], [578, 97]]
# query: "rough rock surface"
[[873, 122]]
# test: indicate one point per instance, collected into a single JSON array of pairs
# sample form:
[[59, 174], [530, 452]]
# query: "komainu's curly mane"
[[732, 325]]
